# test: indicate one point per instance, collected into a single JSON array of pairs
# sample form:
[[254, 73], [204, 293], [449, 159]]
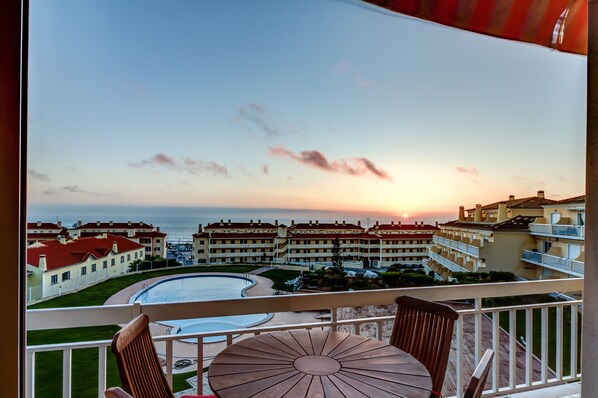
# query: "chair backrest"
[[138, 364], [475, 388], [425, 329]]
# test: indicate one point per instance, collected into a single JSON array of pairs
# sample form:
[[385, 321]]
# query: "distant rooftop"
[[512, 224]]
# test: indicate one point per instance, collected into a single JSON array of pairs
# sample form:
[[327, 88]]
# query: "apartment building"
[[228, 242], [488, 238], [43, 231], [397, 243], [558, 247], [60, 266], [145, 234], [312, 242]]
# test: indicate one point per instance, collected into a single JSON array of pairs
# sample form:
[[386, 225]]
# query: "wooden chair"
[[475, 388], [138, 364], [425, 329]]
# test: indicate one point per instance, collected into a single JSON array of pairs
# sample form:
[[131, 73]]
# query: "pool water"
[[201, 288]]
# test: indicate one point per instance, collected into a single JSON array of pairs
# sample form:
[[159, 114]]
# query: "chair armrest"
[[116, 392]]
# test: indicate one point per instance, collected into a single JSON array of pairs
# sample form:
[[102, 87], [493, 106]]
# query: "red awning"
[[558, 24]]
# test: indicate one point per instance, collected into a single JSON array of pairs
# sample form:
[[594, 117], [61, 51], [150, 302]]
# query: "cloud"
[[247, 173], [266, 169], [74, 170], [255, 116], [77, 189], [50, 191], [465, 170], [355, 166], [38, 176], [344, 67], [188, 165]]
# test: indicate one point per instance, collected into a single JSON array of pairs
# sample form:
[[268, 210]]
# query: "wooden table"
[[302, 363]]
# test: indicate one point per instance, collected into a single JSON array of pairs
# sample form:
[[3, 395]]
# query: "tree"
[[337, 256]]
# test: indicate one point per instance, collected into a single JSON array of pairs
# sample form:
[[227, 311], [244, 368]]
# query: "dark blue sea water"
[[182, 222]]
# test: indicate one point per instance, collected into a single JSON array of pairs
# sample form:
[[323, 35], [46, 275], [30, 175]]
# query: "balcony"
[[467, 246], [516, 367], [453, 263], [562, 264], [558, 230]]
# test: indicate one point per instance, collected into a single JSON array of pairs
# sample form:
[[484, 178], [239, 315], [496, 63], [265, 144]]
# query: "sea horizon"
[[181, 222]]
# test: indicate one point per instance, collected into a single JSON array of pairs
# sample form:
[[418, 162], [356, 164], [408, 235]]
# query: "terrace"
[[533, 341]]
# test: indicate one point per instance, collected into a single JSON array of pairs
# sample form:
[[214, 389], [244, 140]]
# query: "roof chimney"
[[461, 213], [59, 223], [377, 223], [199, 229], [478, 213], [511, 197], [39, 223], [259, 222], [79, 223], [276, 222], [42, 262], [359, 223], [398, 223], [502, 212], [335, 222], [157, 229], [62, 239], [98, 223], [229, 221], [541, 194], [392, 222], [343, 222], [292, 223], [436, 224], [114, 247], [250, 222], [317, 222], [130, 232], [110, 223], [129, 223]]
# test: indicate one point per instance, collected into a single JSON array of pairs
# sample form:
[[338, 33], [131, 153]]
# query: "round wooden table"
[[314, 363]]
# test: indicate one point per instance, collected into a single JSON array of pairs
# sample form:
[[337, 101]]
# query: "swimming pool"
[[200, 288]]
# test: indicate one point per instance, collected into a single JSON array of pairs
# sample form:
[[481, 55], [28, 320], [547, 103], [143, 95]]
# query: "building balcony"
[[561, 264], [453, 263], [241, 245], [466, 246], [558, 230], [517, 365]]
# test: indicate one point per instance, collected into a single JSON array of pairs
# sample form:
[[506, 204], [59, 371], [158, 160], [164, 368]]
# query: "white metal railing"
[[562, 264], [571, 231], [446, 262], [460, 246], [536, 371]]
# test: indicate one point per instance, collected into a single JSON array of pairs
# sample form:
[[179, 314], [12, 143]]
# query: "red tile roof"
[[576, 199], [242, 235], [45, 236], [43, 225], [532, 202], [152, 234], [519, 223], [241, 225], [321, 226], [75, 251], [403, 227], [119, 225], [341, 236], [405, 236]]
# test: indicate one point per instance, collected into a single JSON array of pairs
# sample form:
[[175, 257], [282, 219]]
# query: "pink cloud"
[[188, 165], [314, 158], [465, 170], [265, 169]]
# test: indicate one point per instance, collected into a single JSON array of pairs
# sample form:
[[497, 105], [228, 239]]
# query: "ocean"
[[180, 223]]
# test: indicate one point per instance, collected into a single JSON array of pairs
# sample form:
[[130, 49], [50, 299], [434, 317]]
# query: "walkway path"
[[260, 270]]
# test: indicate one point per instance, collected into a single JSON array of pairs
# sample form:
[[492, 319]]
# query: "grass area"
[[48, 368], [551, 336], [279, 277]]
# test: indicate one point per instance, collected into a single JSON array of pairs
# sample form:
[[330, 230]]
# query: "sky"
[[313, 104]]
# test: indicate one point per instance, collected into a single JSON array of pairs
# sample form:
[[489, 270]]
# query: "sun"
[[405, 215]]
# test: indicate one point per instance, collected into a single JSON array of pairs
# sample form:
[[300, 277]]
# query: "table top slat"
[[332, 341], [261, 345], [240, 359], [219, 369], [268, 340], [286, 339], [254, 387], [347, 389], [388, 376], [318, 339], [227, 381], [402, 390], [285, 388], [316, 390], [377, 350], [330, 390], [304, 340]]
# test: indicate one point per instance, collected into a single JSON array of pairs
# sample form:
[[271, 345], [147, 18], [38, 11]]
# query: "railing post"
[[459, 364], [573, 340], [67, 362], [478, 330], [169, 366], [200, 366], [512, 349], [30, 375], [101, 371], [544, 344], [496, 349], [333, 318], [529, 339], [559, 343]]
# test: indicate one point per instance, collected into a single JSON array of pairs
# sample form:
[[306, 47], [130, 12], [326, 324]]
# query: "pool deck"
[[184, 350]]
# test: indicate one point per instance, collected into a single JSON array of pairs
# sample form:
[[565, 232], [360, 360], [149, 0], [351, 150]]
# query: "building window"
[[83, 270], [113, 262], [66, 276], [53, 279], [122, 259], [93, 268], [105, 264], [157, 240], [129, 257], [135, 255]]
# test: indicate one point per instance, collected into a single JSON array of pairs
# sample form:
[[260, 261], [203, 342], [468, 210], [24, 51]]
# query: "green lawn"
[[48, 369], [279, 277]]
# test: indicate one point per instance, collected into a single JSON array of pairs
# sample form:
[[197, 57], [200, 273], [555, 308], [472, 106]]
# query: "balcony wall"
[[556, 230], [562, 264]]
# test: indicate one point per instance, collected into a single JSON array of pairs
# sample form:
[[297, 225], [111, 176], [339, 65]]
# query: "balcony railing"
[[562, 264], [570, 231], [462, 247], [477, 328]]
